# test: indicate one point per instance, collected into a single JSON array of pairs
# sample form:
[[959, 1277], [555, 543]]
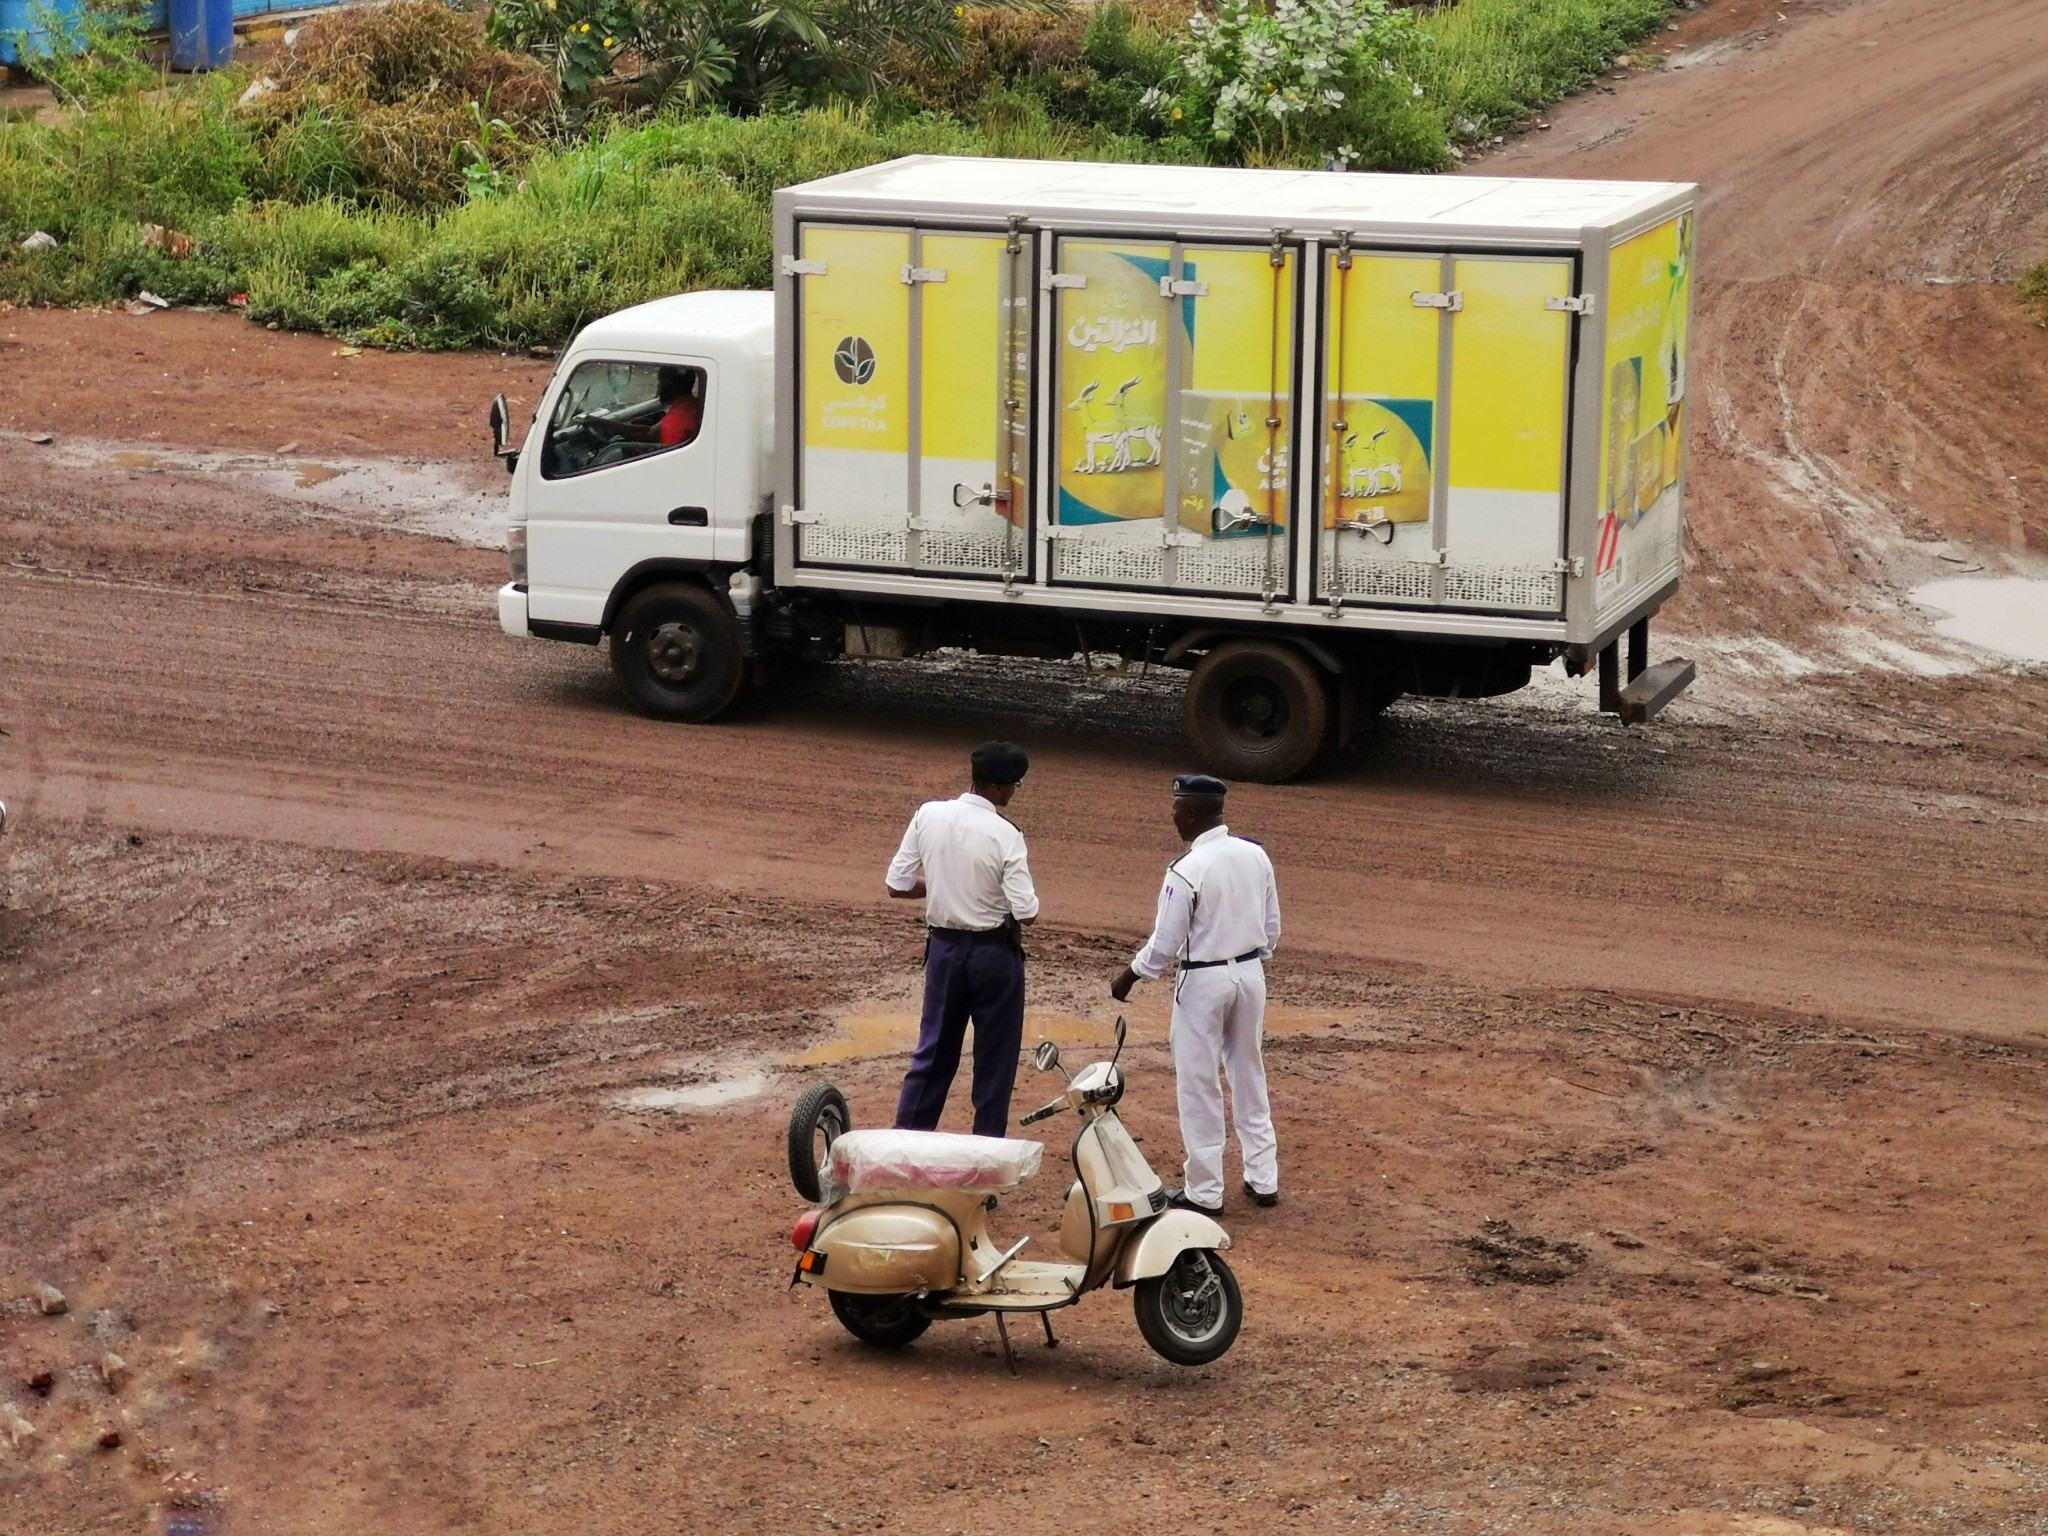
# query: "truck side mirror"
[[501, 434]]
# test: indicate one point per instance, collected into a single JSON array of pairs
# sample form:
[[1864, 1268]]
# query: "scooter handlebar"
[[1045, 1112]]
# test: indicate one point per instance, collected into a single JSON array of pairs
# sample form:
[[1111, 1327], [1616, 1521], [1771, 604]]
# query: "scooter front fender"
[[1152, 1249]]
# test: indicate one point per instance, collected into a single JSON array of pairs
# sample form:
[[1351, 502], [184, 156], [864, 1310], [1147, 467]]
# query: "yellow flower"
[[608, 43], [1176, 114], [959, 10], [584, 28]]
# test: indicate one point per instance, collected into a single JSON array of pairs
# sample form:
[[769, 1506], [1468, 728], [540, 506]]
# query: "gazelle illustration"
[[1370, 479], [1109, 426]]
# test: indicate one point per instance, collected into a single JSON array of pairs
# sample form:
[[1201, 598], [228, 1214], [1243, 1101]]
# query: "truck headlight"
[[515, 548]]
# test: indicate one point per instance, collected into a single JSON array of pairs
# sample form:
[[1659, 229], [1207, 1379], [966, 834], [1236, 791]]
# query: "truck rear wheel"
[[677, 650], [1258, 710]]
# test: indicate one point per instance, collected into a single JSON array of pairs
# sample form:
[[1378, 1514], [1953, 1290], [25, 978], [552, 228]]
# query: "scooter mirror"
[[1046, 1057]]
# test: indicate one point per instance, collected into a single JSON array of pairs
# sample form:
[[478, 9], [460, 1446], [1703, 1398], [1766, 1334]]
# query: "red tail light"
[[806, 1229]]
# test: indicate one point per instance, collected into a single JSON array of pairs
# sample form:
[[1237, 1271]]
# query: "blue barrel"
[[23, 37], [202, 33]]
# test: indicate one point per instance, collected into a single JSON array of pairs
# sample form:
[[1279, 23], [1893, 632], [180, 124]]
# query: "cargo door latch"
[[1182, 288], [792, 516], [795, 267], [1580, 305], [1052, 280], [1452, 301], [915, 275]]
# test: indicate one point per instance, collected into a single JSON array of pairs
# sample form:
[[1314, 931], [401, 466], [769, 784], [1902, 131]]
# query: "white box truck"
[[1320, 438]]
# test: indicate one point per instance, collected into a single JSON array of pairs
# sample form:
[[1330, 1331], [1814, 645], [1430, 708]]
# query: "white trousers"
[[1219, 1023]]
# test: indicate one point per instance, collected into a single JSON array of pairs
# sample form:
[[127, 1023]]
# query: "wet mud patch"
[[1501, 1253]]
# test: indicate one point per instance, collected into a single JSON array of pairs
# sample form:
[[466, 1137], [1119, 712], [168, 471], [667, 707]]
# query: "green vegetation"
[[416, 176], [2034, 290]]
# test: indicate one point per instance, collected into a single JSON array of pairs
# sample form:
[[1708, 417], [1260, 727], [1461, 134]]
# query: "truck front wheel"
[[1257, 711], [677, 650]]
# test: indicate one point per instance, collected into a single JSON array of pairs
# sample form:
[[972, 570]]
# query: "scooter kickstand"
[[1003, 1331], [1050, 1341]]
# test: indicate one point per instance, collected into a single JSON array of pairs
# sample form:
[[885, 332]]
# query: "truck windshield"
[[612, 413]]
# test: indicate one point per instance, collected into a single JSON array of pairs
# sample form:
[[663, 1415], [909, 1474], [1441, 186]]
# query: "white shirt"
[[1219, 902], [972, 860]]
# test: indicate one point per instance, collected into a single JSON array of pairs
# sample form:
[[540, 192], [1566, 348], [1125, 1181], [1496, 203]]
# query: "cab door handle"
[[690, 517]]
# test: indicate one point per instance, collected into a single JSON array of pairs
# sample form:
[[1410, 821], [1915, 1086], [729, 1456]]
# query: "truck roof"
[[1191, 197], [742, 317]]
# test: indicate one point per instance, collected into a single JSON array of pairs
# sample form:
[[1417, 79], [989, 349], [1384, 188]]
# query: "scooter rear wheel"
[[1190, 1315], [819, 1119], [887, 1322]]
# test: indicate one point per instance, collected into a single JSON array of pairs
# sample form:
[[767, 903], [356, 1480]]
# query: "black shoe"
[[1179, 1201], [1258, 1198]]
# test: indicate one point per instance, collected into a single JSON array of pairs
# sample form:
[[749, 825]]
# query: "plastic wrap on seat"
[[864, 1161]]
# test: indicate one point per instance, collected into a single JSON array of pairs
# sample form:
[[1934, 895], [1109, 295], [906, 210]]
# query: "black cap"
[[1195, 786], [999, 762]]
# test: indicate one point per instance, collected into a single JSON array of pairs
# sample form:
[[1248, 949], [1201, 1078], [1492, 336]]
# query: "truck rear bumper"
[[512, 610]]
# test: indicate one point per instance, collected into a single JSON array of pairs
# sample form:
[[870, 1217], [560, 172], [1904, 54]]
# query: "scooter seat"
[[864, 1161]]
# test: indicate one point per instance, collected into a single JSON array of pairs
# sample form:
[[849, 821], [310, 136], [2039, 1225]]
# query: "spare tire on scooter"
[[819, 1119]]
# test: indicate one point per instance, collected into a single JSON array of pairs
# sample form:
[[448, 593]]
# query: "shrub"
[[1304, 81], [403, 104]]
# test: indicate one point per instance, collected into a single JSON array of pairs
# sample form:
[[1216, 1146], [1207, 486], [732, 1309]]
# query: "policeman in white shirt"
[[967, 861], [1219, 916]]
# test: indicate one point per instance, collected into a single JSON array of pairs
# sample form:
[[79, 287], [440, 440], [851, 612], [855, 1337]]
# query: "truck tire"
[[1258, 710], [677, 650]]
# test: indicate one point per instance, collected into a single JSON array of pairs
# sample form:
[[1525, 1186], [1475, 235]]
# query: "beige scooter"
[[902, 1237]]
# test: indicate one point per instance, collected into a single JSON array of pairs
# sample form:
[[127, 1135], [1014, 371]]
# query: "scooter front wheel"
[[887, 1322], [1190, 1315]]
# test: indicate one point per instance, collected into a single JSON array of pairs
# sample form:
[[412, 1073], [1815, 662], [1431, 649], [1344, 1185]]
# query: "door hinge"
[[1581, 305], [1062, 531], [791, 516], [793, 266], [1431, 557], [1052, 280], [913, 275], [1181, 538], [1182, 288], [1574, 565], [1453, 301]]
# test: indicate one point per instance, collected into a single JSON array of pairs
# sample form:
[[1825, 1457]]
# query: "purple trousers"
[[966, 980]]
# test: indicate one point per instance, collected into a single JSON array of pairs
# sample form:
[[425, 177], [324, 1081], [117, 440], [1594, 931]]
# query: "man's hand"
[[915, 893], [1120, 989]]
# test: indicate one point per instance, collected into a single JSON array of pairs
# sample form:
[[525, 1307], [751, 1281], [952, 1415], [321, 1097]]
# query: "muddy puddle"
[[2006, 614], [460, 502], [868, 1034]]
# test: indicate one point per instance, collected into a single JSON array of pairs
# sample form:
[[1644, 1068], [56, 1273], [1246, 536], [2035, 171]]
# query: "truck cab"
[[648, 459]]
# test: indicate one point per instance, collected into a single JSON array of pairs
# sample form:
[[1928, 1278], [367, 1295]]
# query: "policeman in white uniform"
[[1219, 917], [967, 861]]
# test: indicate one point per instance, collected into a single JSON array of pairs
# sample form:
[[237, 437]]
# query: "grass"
[[281, 209], [1493, 62]]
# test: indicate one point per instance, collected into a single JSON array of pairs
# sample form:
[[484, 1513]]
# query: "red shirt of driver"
[[681, 422]]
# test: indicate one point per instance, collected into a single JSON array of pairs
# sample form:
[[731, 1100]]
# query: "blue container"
[[202, 33], [22, 35]]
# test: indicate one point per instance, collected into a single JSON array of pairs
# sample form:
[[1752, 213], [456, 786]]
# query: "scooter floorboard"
[[1023, 1288]]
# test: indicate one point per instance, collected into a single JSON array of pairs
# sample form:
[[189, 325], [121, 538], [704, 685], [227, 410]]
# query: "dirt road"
[[344, 941], [1874, 178]]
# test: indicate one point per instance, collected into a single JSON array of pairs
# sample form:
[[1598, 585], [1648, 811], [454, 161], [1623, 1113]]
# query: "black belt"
[[1000, 935], [1203, 965]]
